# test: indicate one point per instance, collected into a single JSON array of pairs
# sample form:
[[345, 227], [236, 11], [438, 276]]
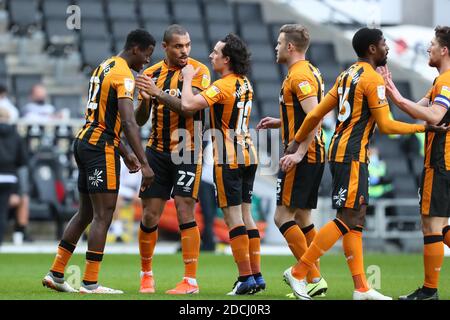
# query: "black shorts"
[[172, 179], [434, 193], [350, 184], [98, 167], [299, 187], [234, 186]]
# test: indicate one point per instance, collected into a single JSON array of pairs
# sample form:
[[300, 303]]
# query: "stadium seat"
[[23, 14], [267, 91], [248, 12], [122, 10], [154, 10], [186, 10], [218, 11], [196, 31], [255, 33], [321, 53], [218, 31], [3, 69], [262, 71], [24, 82], [91, 9], [95, 52], [405, 186], [55, 8], [270, 108], [48, 188], [94, 29], [262, 52], [120, 31], [156, 28], [72, 102], [57, 32], [200, 51]]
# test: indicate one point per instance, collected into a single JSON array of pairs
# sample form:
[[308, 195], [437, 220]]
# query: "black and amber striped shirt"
[[110, 81], [437, 145], [358, 90], [230, 101], [302, 81], [165, 135]]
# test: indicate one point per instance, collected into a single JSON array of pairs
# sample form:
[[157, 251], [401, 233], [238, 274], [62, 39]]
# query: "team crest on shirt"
[[381, 91], [205, 81], [129, 84], [212, 91], [305, 87]]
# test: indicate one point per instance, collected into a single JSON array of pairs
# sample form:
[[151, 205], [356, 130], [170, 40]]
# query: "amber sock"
[[254, 250], [64, 252], [240, 248], [353, 250], [323, 241], [446, 234], [297, 243], [190, 248], [433, 257], [310, 232], [93, 262], [147, 241]]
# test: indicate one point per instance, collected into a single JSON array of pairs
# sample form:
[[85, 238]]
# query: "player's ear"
[[372, 49], [164, 45]]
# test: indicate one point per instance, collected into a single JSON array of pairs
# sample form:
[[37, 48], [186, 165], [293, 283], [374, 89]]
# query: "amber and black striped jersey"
[[165, 135], [358, 89], [302, 81], [110, 81], [230, 102], [437, 145]]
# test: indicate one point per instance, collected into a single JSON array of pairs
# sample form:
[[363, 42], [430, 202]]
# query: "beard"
[[382, 63]]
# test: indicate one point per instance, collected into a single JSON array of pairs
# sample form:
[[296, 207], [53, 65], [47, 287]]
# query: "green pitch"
[[21, 275]]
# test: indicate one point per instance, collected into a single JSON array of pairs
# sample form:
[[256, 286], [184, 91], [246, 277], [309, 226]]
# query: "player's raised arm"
[[147, 85], [189, 100], [419, 110], [314, 117]]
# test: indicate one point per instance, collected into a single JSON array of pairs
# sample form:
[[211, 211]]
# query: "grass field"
[[21, 275]]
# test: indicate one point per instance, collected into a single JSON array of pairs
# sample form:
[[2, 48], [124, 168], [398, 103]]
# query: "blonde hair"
[[296, 34]]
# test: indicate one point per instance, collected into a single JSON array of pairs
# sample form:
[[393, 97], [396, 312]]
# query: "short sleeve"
[[375, 92], [441, 95], [202, 79], [303, 88], [124, 85], [215, 93]]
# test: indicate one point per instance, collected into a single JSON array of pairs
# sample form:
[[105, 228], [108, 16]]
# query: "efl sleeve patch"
[[305, 87], [381, 92], [212, 92], [128, 84]]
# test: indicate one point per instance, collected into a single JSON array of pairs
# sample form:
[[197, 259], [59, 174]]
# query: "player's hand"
[[132, 162], [147, 177], [189, 72], [391, 89], [145, 95], [290, 161], [269, 123], [146, 84], [291, 148], [444, 128]]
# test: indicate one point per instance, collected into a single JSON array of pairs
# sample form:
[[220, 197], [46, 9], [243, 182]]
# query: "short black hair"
[[173, 29], [443, 36], [140, 38], [3, 88], [364, 38], [238, 52]]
